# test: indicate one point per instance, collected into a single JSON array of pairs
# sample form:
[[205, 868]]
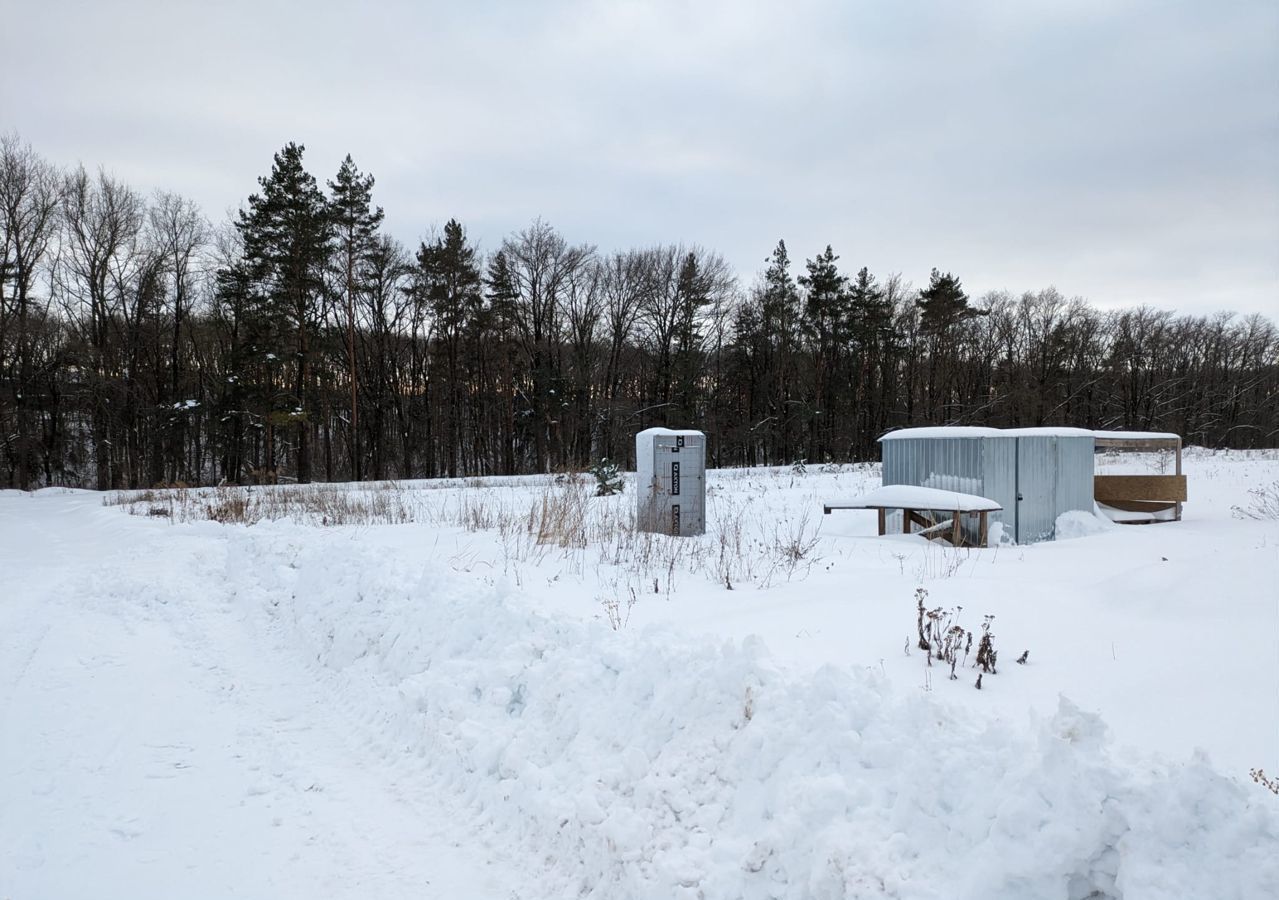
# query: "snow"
[[957, 483], [1138, 435], [433, 709], [1078, 523], [942, 431], [977, 431], [649, 433], [1049, 432], [904, 496], [1115, 514]]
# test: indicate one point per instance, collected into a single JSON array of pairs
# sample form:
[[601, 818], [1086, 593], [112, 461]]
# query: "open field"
[[496, 687]]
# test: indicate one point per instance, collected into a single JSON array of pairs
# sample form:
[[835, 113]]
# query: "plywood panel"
[[1110, 488]]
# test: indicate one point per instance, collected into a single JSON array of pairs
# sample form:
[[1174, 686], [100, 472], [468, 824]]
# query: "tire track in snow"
[[162, 742]]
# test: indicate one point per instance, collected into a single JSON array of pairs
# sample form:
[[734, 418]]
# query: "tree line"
[[140, 344]]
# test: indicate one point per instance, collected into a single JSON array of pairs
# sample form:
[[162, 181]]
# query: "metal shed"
[[1035, 474]]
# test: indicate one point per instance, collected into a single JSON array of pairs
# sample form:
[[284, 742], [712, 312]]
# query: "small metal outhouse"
[[670, 481], [1035, 474]]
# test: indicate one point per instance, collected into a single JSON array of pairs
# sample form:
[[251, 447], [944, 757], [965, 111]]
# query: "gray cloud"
[[1128, 152]]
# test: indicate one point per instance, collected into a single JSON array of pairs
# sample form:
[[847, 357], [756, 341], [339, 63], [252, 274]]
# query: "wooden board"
[[1146, 506], [1110, 488], [1137, 444]]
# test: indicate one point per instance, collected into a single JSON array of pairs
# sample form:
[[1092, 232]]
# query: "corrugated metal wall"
[[1035, 478], [999, 478], [928, 462], [1075, 470]]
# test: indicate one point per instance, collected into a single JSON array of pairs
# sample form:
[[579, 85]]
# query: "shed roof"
[[948, 432]]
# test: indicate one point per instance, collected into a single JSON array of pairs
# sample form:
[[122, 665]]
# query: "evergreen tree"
[[875, 342], [943, 304], [692, 293], [826, 301], [355, 223], [871, 313], [943, 307], [779, 298], [449, 276], [499, 283], [826, 321], [780, 318], [288, 237]]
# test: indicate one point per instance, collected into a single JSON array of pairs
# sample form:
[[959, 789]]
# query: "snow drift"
[[645, 764]]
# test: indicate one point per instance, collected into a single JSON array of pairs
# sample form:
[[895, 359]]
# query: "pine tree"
[[826, 321], [692, 297], [288, 236], [943, 304], [780, 315], [499, 284], [449, 276], [608, 478], [779, 298], [871, 313], [232, 299], [876, 344], [355, 223]]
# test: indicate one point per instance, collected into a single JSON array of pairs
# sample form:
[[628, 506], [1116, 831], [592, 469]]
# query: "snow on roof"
[[943, 431], [669, 432], [1048, 432], [1137, 435], [978, 431], [907, 496]]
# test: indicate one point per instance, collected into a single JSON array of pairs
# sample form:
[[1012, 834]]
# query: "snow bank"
[[1077, 523], [647, 765]]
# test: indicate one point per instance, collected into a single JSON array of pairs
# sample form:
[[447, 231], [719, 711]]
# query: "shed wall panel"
[[999, 480], [1075, 470], [952, 465]]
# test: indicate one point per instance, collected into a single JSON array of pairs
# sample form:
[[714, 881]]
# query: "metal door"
[[1036, 517]]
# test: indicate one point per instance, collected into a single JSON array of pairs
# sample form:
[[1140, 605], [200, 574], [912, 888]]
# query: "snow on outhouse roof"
[[669, 432]]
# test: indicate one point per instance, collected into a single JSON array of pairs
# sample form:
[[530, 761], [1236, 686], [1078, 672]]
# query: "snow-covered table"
[[918, 504]]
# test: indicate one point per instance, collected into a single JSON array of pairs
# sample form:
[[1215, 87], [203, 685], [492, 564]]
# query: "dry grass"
[[536, 522], [1263, 503], [304, 504], [559, 518]]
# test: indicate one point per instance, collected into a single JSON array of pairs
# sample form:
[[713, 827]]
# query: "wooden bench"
[[927, 508]]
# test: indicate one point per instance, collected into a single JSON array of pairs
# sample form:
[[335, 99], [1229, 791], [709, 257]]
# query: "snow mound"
[[649, 765], [1076, 524]]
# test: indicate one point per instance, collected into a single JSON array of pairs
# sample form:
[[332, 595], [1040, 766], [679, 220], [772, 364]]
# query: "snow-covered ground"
[[510, 694]]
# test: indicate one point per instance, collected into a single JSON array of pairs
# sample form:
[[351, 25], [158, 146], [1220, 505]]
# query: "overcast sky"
[[1125, 152]]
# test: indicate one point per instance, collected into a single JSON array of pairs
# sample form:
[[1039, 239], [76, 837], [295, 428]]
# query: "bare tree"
[[29, 195], [541, 263], [99, 264]]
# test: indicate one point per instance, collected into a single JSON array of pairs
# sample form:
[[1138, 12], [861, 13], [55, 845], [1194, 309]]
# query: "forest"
[[142, 344]]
